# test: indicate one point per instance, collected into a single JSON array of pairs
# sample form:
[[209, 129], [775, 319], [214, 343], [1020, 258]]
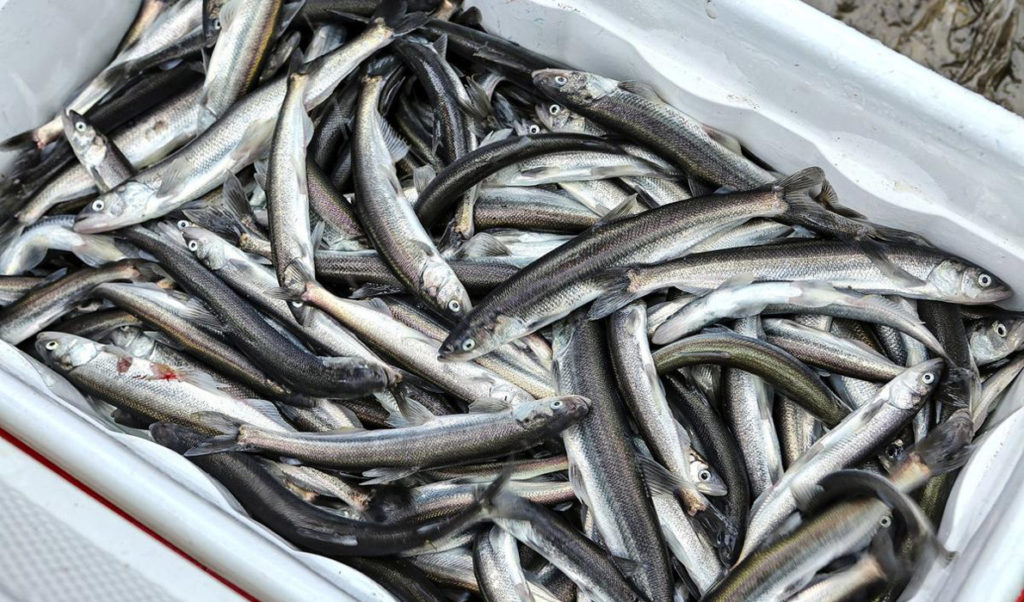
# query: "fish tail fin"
[[284, 293], [947, 447], [236, 201], [394, 14], [216, 421], [9, 231], [217, 444], [229, 439], [95, 252], [884, 553], [620, 288], [799, 191], [485, 502], [23, 142]]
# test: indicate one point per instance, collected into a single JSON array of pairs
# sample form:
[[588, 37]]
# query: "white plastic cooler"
[[900, 144]]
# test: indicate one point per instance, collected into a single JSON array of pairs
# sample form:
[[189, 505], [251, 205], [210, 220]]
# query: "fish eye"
[[885, 522], [454, 305], [51, 345], [80, 126], [183, 223], [1000, 329], [193, 245], [534, 129], [704, 475], [928, 378], [556, 404], [216, 24], [893, 450], [985, 280], [468, 345], [98, 205], [554, 109], [296, 304], [561, 80], [125, 327]]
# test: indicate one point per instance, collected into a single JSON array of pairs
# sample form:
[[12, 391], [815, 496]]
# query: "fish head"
[[557, 118], [88, 146], [441, 284], [175, 436], [909, 390], [65, 352], [994, 339], [573, 87], [958, 282], [477, 335], [206, 246], [560, 411], [129, 203], [131, 339], [708, 481]]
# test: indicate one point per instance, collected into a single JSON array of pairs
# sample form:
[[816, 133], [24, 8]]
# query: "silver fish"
[[101, 158], [156, 390], [29, 248], [231, 143], [389, 219], [246, 30], [844, 445], [746, 406], [288, 196]]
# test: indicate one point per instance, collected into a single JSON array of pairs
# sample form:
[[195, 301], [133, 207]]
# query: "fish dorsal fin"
[[410, 413], [623, 210], [440, 45], [641, 89], [484, 245], [488, 405], [268, 409], [383, 476], [422, 176], [397, 148]]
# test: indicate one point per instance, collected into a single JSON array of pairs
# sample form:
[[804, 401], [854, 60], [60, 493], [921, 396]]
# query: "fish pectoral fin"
[[174, 177], [875, 251], [478, 105], [288, 13], [253, 140], [658, 479], [804, 494], [579, 488], [372, 289], [196, 311], [196, 378], [383, 476], [627, 566], [488, 405]]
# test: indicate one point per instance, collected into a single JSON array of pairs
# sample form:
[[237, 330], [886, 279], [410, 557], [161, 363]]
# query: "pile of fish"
[[481, 325]]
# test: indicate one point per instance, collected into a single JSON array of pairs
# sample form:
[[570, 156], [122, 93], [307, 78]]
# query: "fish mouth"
[[89, 223], [452, 355]]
